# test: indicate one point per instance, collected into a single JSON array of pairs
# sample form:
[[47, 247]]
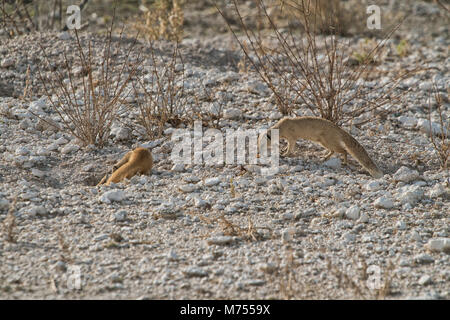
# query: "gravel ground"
[[313, 231]]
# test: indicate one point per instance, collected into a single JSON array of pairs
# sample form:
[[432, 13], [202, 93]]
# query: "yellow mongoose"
[[139, 160], [327, 134]]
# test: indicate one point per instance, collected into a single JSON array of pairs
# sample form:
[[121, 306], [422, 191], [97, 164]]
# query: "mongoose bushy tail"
[[357, 151]]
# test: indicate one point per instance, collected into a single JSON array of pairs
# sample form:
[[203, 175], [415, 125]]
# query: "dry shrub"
[[163, 20], [24, 16], [160, 96], [441, 144], [314, 71], [87, 95]]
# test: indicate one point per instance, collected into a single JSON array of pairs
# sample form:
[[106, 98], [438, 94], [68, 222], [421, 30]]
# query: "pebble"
[[424, 280], [384, 202], [405, 174], [423, 258], [112, 196], [220, 240], [212, 181], [195, 272], [120, 216], [353, 212], [439, 244], [333, 163]]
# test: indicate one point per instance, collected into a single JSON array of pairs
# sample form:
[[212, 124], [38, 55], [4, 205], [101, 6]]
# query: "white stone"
[[212, 181], [120, 216], [187, 188], [410, 194], [64, 35], [408, 122], [364, 217], [178, 167], [401, 225], [195, 272], [334, 163], [353, 212], [384, 202], [437, 191], [4, 203], [37, 210], [198, 202], [37, 173], [373, 186], [424, 126], [61, 141], [405, 174], [439, 244], [22, 151], [232, 113], [424, 280], [69, 148], [7, 62], [112, 195], [220, 240]]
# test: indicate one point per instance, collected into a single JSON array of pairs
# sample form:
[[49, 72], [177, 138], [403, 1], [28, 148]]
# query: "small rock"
[[424, 280], [178, 167], [195, 272], [22, 151], [37, 173], [364, 217], [384, 202], [439, 244], [437, 191], [113, 195], [352, 212], [64, 35], [69, 148], [401, 225], [373, 186], [120, 216], [187, 188], [172, 255], [410, 194], [37, 210], [232, 114], [406, 175], [423, 259], [7, 62], [212, 182], [333, 163], [220, 240], [4, 204]]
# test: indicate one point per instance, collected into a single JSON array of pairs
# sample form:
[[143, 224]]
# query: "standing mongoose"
[[137, 161], [325, 133]]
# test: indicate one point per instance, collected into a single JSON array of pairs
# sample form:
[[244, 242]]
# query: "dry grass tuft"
[[442, 143], [10, 225]]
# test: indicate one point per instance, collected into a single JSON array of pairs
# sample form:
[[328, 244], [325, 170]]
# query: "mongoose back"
[[327, 134], [137, 161]]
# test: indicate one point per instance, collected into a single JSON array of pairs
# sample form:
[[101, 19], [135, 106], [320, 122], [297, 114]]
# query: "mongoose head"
[[265, 137]]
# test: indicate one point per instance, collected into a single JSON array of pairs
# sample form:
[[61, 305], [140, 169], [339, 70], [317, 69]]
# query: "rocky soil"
[[315, 230]]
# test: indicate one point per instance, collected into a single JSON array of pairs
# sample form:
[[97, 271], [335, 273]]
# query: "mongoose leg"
[[122, 161], [329, 154]]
